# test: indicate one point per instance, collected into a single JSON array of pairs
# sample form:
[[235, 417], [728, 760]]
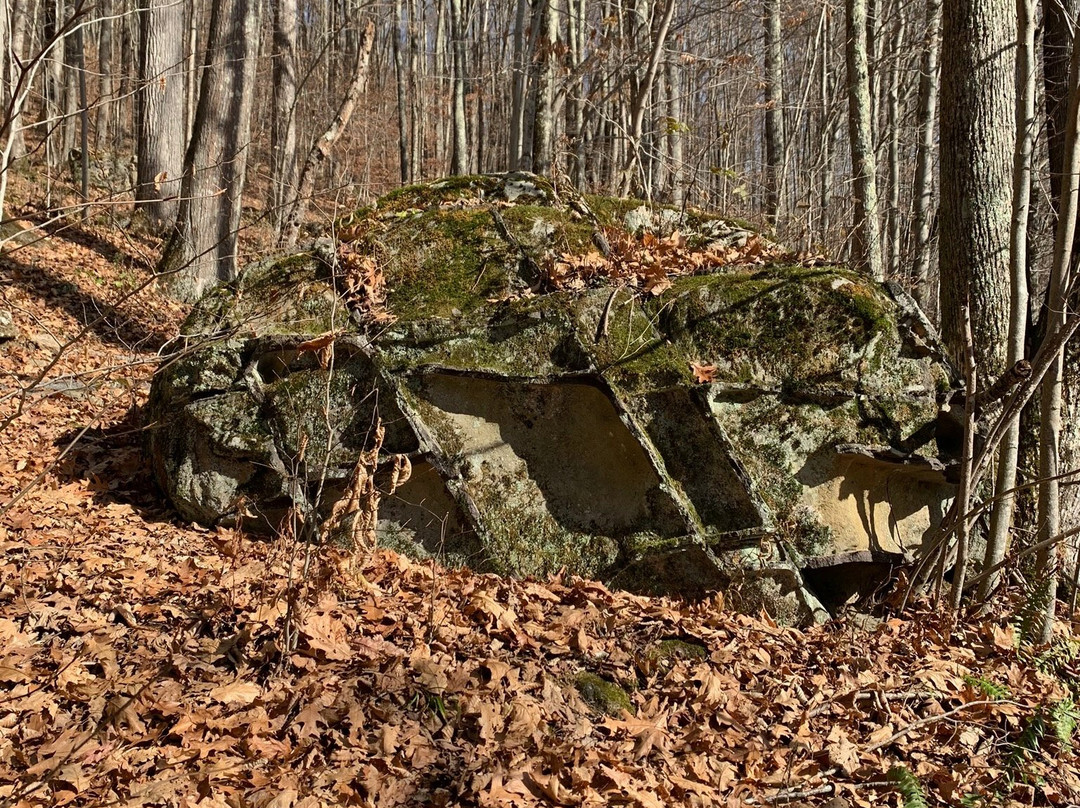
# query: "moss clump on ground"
[[603, 696], [671, 651]]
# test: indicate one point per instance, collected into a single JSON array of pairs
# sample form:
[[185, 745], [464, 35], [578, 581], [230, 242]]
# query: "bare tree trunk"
[[202, 250], [283, 161], [459, 151], [22, 15], [922, 220], [866, 232], [323, 146], [160, 145], [1026, 126], [417, 68], [775, 141], [893, 228], [638, 103], [103, 110], [194, 78], [676, 128], [1050, 405], [978, 94], [544, 112], [404, 128]]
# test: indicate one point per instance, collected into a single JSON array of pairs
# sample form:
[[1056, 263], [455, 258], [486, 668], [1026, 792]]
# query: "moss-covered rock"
[[603, 696], [554, 427]]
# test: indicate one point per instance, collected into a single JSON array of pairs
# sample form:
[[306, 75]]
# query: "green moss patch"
[[602, 695]]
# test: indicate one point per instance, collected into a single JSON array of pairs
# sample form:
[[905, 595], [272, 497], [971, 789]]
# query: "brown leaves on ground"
[[362, 285], [144, 662], [649, 262]]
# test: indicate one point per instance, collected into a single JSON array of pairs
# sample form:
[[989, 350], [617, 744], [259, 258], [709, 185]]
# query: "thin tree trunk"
[[922, 220], [324, 145], [20, 20], [638, 103], [544, 114], [1050, 405], [202, 250], [1005, 480], [160, 145], [866, 231], [404, 128], [894, 118], [103, 110], [459, 160], [417, 71], [978, 94], [283, 160], [775, 141], [675, 131]]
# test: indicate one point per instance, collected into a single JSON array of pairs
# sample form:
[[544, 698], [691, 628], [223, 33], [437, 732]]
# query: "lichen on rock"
[[552, 418]]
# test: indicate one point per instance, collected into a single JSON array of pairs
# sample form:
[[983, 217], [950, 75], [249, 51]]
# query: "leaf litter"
[[147, 662]]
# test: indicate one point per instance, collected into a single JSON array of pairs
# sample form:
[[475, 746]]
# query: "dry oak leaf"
[[703, 374], [236, 693]]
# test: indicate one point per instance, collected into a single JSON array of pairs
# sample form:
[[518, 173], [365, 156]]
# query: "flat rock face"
[[642, 395]]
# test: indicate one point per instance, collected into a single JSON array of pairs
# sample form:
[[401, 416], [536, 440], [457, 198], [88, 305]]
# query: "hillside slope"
[[144, 661]]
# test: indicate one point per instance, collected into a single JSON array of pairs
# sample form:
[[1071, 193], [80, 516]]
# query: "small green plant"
[[908, 786], [1029, 618], [1064, 717], [1026, 745], [988, 689]]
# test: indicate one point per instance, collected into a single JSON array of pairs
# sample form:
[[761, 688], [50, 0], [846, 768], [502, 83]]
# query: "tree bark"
[[324, 145], [1050, 405], [404, 129], [103, 109], [283, 161], [1001, 516], [775, 142], [160, 144], [544, 112], [459, 162], [977, 129], [866, 230], [202, 250], [632, 165], [922, 219], [1059, 17]]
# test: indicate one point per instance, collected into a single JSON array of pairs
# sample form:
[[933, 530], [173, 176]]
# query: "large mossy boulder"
[[657, 398]]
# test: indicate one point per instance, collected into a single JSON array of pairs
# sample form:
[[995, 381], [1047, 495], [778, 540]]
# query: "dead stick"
[[934, 718]]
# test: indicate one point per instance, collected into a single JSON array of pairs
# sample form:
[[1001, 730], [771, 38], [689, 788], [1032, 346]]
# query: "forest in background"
[[150, 148], [929, 144]]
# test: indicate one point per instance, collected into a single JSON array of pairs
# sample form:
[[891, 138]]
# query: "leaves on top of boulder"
[[649, 261]]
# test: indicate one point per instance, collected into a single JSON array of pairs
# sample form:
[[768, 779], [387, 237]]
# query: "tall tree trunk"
[[459, 161], [1058, 43], [22, 16], [922, 219], [775, 142], [544, 112], [202, 250], [1050, 405], [893, 229], [1026, 125], [866, 231], [417, 71], [676, 127], [324, 145], [160, 144], [283, 162], [104, 108], [639, 101], [978, 94], [404, 129]]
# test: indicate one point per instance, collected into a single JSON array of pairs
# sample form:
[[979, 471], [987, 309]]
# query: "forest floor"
[[147, 661]]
